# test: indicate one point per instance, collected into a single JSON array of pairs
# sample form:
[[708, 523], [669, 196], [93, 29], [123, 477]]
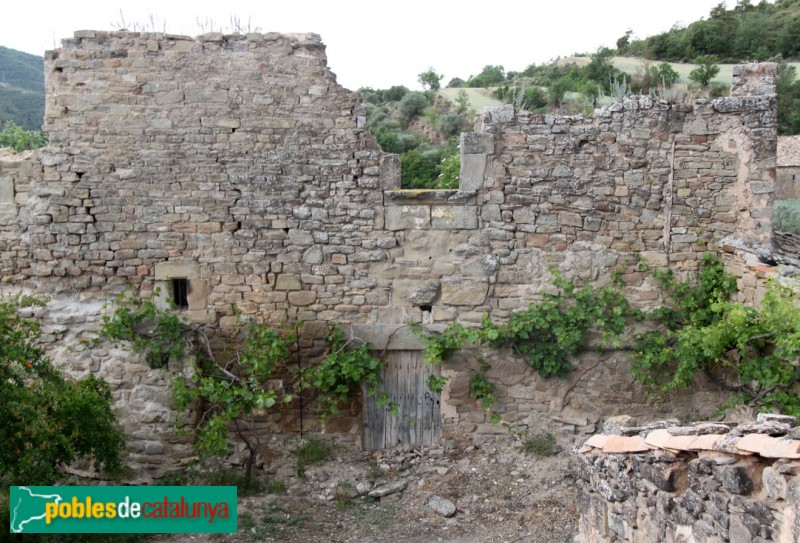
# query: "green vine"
[[339, 377], [548, 333], [157, 332], [751, 351]]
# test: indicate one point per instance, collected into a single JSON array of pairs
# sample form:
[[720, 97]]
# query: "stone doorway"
[[418, 421]]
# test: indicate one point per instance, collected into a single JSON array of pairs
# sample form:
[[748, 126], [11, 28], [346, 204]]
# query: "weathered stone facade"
[[708, 482], [237, 164]]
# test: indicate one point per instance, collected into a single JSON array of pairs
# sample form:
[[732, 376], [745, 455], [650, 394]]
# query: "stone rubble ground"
[[456, 493]]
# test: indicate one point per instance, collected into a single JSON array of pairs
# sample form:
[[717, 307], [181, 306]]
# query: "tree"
[[706, 69], [489, 76], [48, 421], [430, 80], [788, 101], [667, 74], [624, 41]]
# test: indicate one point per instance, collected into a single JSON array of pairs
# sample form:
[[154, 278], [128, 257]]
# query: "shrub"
[[452, 124], [46, 420], [19, 139], [705, 71], [413, 104]]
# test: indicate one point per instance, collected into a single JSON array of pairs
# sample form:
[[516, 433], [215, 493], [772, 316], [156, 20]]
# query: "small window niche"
[[178, 285], [180, 293]]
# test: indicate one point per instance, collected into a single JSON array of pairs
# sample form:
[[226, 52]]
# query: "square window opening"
[[180, 293]]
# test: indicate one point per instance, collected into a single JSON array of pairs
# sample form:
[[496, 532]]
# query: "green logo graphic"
[[126, 509]]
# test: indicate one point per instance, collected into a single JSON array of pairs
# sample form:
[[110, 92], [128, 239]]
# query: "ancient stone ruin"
[[236, 170]]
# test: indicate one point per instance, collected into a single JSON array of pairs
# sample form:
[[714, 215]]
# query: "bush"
[[452, 124], [786, 216], [46, 420], [413, 104], [705, 71], [19, 139]]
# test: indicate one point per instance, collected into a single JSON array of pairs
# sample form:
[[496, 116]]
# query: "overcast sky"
[[375, 43]]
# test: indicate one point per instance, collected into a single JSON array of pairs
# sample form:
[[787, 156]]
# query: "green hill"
[[21, 88]]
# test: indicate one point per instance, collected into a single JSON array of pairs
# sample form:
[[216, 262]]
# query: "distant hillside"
[[21, 88]]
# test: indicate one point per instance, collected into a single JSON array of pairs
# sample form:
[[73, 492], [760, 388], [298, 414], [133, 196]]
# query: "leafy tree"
[[419, 169], [489, 76], [600, 69], [413, 104], [395, 93], [455, 83], [430, 80], [667, 74], [624, 41], [47, 420], [706, 69], [19, 139], [450, 172]]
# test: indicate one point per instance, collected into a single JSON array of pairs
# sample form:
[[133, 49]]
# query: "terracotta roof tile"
[[754, 443], [626, 444], [657, 438], [705, 442], [597, 441], [788, 151]]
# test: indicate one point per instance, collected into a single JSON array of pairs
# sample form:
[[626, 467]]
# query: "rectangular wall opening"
[[180, 293]]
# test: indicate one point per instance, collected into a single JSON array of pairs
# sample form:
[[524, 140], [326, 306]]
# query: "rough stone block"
[[475, 143], [459, 291], [288, 282], [454, 217], [408, 217], [473, 172]]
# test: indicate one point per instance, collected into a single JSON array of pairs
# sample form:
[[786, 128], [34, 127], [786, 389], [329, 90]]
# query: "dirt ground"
[[508, 489]]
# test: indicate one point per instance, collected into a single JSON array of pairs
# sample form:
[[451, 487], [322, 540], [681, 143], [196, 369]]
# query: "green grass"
[[632, 65], [311, 452], [479, 99]]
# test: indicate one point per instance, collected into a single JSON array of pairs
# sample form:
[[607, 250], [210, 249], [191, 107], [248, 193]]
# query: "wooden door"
[[418, 420]]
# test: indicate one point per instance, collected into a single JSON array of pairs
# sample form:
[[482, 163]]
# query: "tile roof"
[[742, 439], [788, 151]]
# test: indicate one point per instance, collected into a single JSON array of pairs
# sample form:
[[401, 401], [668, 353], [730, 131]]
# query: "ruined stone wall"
[[238, 164], [708, 482]]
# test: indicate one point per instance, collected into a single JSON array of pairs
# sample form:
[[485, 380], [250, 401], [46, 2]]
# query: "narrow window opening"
[[180, 293]]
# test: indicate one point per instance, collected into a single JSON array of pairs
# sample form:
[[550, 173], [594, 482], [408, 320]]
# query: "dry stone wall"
[[708, 482], [238, 164]]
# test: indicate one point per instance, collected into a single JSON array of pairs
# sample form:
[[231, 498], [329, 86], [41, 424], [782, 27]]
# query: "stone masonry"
[[238, 164], [708, 482]]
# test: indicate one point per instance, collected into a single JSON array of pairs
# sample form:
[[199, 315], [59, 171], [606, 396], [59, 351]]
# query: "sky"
[[373, 43]]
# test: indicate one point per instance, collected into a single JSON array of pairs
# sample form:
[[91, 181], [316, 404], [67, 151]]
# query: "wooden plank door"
[[418, 420]]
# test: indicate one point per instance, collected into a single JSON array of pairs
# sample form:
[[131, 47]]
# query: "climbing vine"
[[338, 378], [751, 351], [546, 334], [229, 388]]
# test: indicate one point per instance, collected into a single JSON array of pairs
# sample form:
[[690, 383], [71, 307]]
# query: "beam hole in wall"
[[180, 293], [427, 308]]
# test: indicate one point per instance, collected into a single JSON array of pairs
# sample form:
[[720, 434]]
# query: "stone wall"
[[237, 164], [709, 482]]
